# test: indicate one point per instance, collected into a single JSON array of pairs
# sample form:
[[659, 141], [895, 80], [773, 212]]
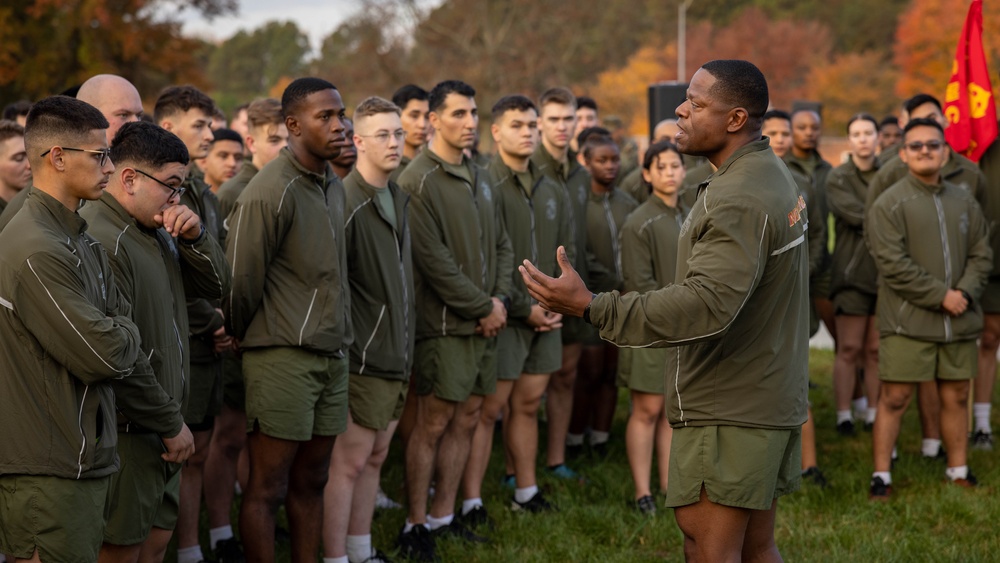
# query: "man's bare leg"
[[453, 454], [955, 420], [892, 402], [559, 404], [111, 553], [229, 438], [986, 375], [522, 430], [190, 493], [154, 549], [433, 417], [640, 434], [270, 464], [348, 462], [304, 504], [850, 347], [713, 533], [482, 440], [758, 542]]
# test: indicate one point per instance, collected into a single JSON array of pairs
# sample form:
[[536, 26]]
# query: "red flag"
[[968, 101]]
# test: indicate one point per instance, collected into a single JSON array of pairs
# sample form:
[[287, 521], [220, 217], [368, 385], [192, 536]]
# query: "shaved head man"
[[115, 97]]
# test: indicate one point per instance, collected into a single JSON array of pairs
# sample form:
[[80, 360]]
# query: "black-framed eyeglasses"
[[917, 146], [105, 153], [173, 191]]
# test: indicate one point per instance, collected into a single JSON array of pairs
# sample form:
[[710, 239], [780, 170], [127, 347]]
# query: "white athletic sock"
[[895, 454], [870, 415], [469, 505], [960, 472], [524, 495], [215, 535], [931, 447], [341, 559], [409, 526], [860, 406], [435, 523], [885, 475], [190, 554], [597, 438], [359, 548], [574, 439], [843, 415], [981, 413]]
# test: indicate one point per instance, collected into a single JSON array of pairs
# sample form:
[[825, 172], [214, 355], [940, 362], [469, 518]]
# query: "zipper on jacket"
[[946, 249], [364, 352], [180, 348], [83, 435], [899, 318], [308, 312], [615, 249]]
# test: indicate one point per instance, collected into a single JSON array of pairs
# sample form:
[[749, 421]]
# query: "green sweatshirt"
[[231, 189], [990, 166], [852, 265], [958, 170], [606, 213], [927, 239], [380, 270], [13, 206], [739, 311], [203, 314], [462, 254], [155, 272], [649, 246], [538, 219], [65, 335], [288, 255], [694, 177], [404, 161], [576, 181]]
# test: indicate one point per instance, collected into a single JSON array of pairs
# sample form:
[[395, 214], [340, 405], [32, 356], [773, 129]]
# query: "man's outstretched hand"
[[566, 295]]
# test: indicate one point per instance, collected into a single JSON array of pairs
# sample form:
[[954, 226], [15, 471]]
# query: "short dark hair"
[[60, 120], [862, 117], [435, 100], [919, 100], [514, 102], [593, 140], [922, 122], [409, 92], [776, 114], [740, 83], [147, 145], [13, 110], [179, 99], [888, 120], [590, 131], [586, 102], [658, 148], [223, 134], [299, 90], [558, 95], [219, 115], [266, 111], [10, 129]]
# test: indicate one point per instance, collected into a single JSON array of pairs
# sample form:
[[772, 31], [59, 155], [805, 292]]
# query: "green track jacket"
[[853, 266], [576, 181], [606, 213]]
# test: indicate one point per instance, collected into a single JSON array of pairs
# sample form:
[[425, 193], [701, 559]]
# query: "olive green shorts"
[[990, 300], [454, 367], [854, 303], [137, 493], [739, 467], [905, 360], [234, 393], [643, 369], [819, 285], [575, 330], [62, 518], [375, 402], [522, 350], [294, 394], [205, 397]]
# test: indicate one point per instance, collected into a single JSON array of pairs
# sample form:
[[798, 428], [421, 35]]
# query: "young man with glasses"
[[65, 335], [931, 245], [383, 317], [156, 247]]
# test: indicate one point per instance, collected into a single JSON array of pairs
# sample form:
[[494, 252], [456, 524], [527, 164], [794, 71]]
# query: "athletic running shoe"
[[378, 557], [646, 505], [535, 504], [982, 441], [846, 428], [563, 471], [969, 482], [458, 530], [508, 482], [229, 551], [879, 490], [383, 502], [816, 476], [417, 544], [478, 517]]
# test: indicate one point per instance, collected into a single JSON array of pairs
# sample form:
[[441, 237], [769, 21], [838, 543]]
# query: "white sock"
[[215, 535], [870, 415], [409, 526], [931, 447], [359, 548], [844, 415], [190, 554], [524, 495], [981, 413], [895, 454], [885, 475], [435, 523], [860, 407], [469, 505], [574, 439], [960, 472], [597, 438], [341, 559]]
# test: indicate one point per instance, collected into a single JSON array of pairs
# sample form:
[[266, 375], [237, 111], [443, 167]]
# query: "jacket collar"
[[69, 221]]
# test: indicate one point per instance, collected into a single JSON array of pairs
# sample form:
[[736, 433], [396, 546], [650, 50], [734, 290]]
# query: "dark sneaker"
[[378, 557], [574, 452], [879, 490], [535, 504], [599, 451], [477, 517], [417, 544], [508, 482], [458, 530], [982, 441], [646, 505], [229, 551], [846, 428], [816, 476], [563, 471], [969, 482]]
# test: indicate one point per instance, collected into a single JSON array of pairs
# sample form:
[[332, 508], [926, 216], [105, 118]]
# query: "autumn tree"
[[852, 83], [47, 46]]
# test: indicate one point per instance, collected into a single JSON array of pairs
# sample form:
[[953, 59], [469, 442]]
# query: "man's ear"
[[737, 119]]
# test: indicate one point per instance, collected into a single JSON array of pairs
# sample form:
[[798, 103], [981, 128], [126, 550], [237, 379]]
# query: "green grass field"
[[925, 520]]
